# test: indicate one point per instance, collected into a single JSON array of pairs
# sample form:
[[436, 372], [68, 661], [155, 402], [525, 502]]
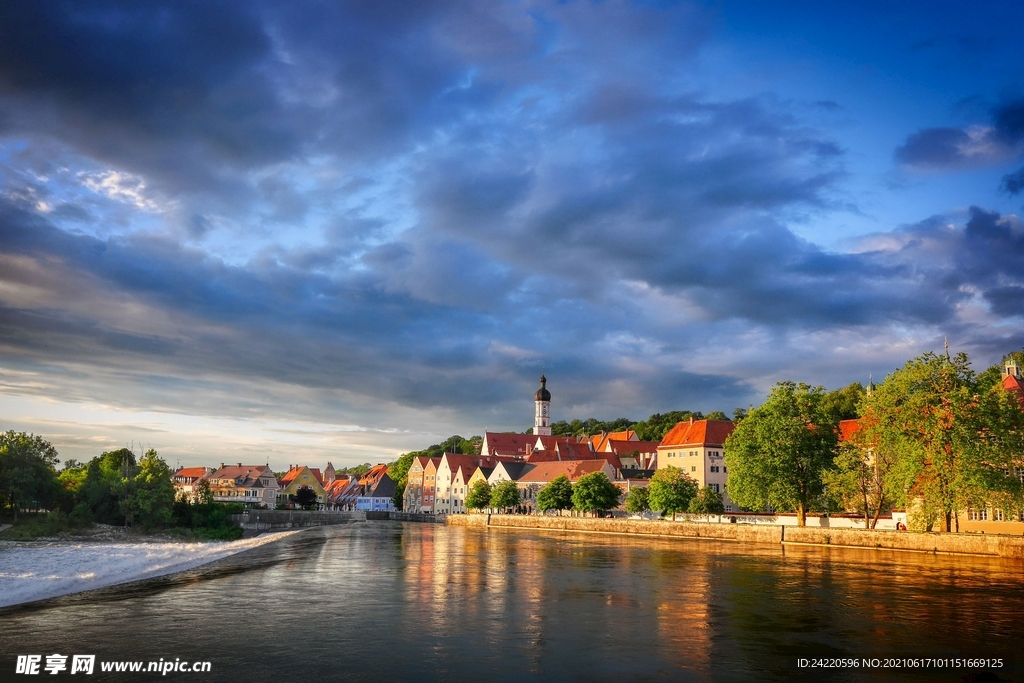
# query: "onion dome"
[[542, 394]]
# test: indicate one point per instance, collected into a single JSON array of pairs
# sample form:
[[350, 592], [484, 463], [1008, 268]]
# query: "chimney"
[[691, 419], [239, 464], [222, 465]]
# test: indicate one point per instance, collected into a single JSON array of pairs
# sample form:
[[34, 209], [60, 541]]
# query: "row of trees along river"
[[115, 488]]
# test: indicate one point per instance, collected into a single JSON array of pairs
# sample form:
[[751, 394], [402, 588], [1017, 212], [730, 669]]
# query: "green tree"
[[479, 496], [954, 444], [716, 415], [557, 495], [305, 497], [638, 500], [859, 481], [845, 403], [708, 501], [777, 456], [149, 498], [594, 492], [505, 496], [671, 491], [28, 476], [398, 497]]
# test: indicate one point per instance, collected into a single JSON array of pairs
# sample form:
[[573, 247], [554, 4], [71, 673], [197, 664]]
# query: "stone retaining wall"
[[265, 520], [962, 544]]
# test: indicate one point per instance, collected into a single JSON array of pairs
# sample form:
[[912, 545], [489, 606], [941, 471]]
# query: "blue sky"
[[239, 231]]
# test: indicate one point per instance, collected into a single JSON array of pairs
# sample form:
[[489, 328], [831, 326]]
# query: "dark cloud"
[[1013, 183], [948, 147]]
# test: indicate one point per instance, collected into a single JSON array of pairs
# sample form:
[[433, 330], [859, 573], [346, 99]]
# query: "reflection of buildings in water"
[[684, 616]]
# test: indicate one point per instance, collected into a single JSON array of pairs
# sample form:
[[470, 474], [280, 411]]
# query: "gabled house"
[[446, 471], [253, 485], [300, 476], [186, 480], [378, 498], [697, 448], [412, 499], [343, 493]]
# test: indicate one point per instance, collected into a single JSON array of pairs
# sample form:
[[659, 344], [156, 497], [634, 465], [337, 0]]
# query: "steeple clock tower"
[[542, 417]]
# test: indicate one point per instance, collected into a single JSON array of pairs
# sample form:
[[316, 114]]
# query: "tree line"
[[115, 487], [934, 438]]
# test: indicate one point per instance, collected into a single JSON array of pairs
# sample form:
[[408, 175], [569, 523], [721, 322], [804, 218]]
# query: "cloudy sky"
[[237, 231]]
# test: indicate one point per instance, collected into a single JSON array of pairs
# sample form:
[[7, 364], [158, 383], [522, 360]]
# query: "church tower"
[[542, 418]]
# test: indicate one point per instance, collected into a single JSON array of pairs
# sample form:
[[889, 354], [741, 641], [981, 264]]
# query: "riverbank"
[[958, 544], [39, 570]]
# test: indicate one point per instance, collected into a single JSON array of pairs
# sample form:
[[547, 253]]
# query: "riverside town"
[[934, 447]]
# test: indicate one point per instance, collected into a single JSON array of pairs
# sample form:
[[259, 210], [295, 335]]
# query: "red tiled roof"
[[191, 472], [544, 472], [699, 433], [1011, 383], [628, 447], [600, 441], [508, 444], [847, 428], [247, 472], [549, 442], [373, 475]]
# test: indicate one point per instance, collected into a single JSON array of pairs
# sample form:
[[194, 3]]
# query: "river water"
[[386, 601]]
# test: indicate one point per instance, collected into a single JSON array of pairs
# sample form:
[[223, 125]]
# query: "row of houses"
[[258, 486], [440, 485]]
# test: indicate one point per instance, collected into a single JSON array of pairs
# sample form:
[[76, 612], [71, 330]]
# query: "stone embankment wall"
[[266, 520], [966, 544], [406, 517]]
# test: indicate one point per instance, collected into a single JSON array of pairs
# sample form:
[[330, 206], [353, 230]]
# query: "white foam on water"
[[29, 573]]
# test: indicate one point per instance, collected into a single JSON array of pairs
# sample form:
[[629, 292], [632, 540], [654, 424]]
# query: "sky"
[[293, 233]]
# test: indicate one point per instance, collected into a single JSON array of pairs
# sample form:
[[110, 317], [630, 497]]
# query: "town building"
[[532, 478], [379, 497], [301, 476], [343, 493], [186, 481], [697, 447], [254, 485]]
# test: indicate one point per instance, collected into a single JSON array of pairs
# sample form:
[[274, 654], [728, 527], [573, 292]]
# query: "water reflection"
[[386, 601]]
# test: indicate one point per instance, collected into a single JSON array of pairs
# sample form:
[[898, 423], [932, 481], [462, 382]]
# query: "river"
[[386, 601]]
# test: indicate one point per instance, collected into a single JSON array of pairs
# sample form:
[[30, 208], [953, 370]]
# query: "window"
[[714, 468], [714, 487], [693, 468], [724, 468], [997, 515]]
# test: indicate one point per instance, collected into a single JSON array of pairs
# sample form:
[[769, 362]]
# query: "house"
[[300, 476], [379, 497], [634, 455], [507, 471], [186, 481], [412, 499], [600, 441], [531, 480], [253, 485], [372, 476], [697, 447], [342, 493], [446, 472], [429, 485]]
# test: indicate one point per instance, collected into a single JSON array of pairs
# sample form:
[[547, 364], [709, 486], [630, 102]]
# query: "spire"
[[871, 384], [945, 341]]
